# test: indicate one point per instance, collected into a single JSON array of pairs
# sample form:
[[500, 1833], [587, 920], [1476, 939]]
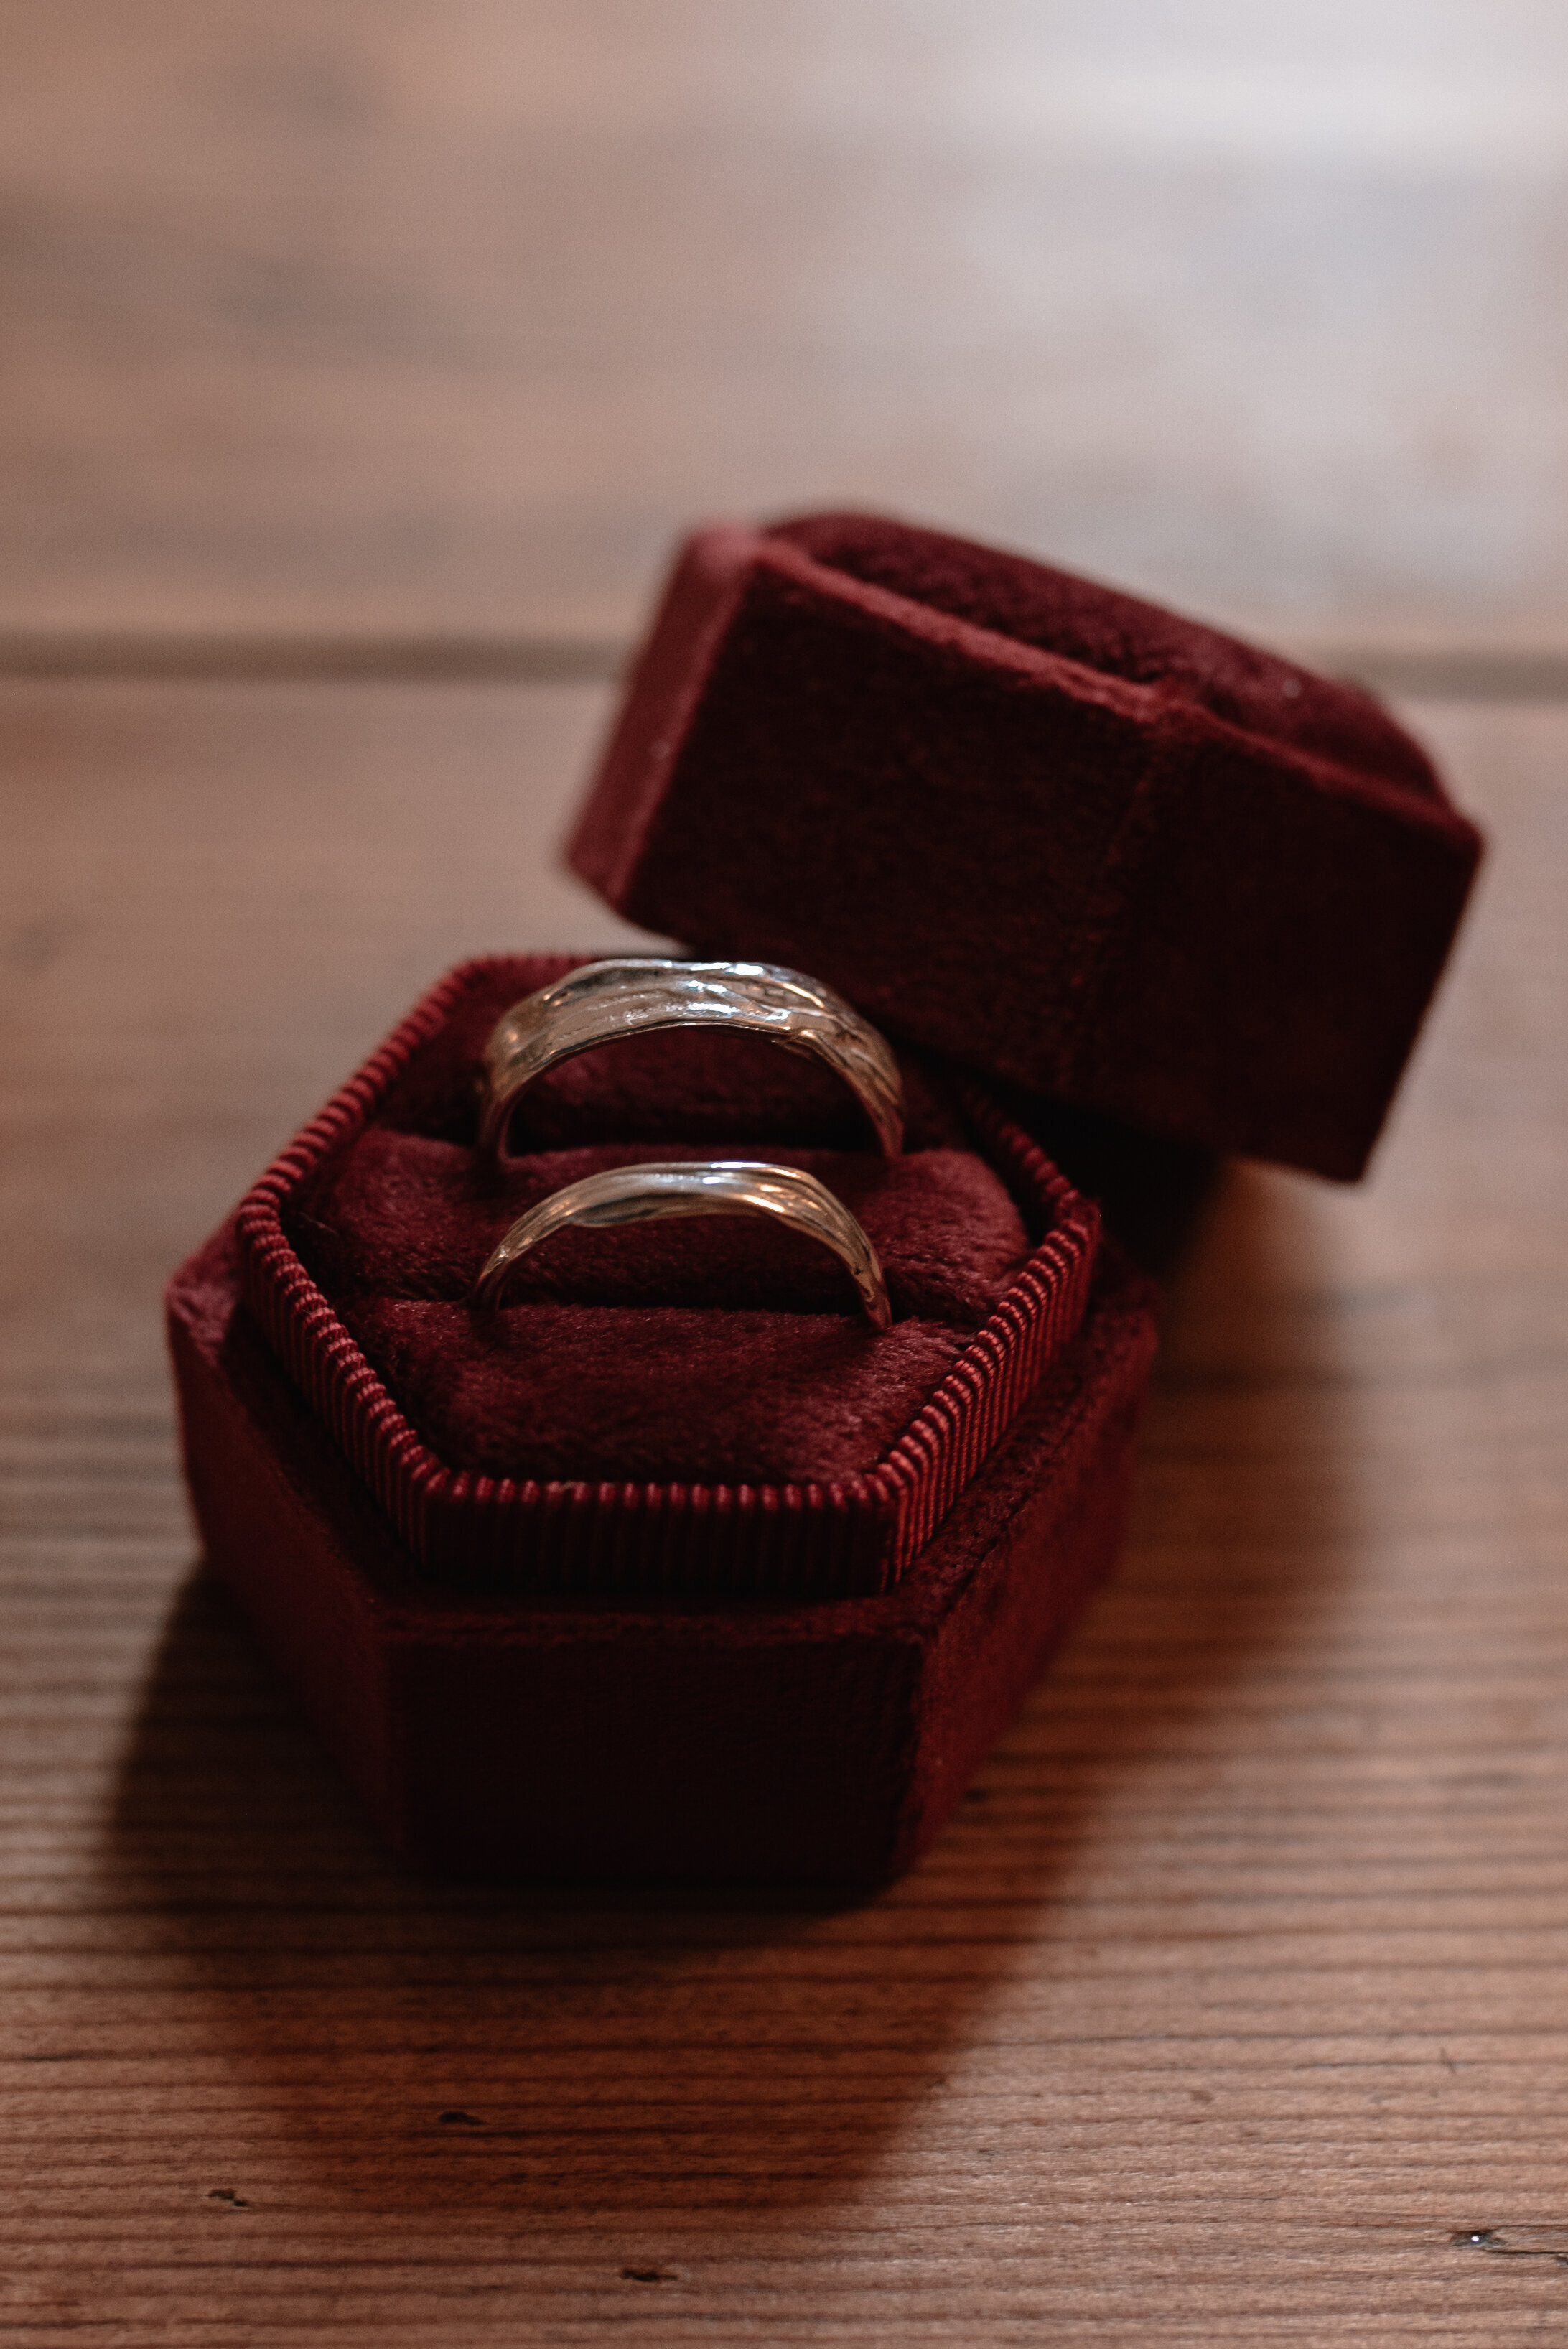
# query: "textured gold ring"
[[637, 995], [718, 1187]]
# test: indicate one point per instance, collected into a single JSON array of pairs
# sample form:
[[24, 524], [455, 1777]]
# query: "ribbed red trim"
[[817, 1541]]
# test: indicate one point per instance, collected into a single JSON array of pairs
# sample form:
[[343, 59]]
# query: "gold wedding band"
[[637, 995], [722, 1187]]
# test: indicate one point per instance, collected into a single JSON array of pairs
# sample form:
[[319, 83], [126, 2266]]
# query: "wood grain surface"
[[1232, 2005], [450, 315], [361, 363]]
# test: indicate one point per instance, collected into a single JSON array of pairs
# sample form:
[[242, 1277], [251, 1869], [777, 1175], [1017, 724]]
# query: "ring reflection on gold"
[[639, 994]]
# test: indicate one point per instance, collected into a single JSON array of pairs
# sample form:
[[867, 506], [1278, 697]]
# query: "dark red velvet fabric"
[[726, 1355], [731, 1353], [1063, 837], [1118, 636], [747, 1745]]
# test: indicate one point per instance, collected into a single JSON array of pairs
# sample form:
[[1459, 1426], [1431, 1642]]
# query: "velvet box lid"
[[1052, 832]]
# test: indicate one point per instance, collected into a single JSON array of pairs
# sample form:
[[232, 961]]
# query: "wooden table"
[[1233, 1995], [1232, 2005]]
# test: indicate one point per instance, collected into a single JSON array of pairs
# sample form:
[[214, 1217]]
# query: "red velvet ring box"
[[676, 1571], [673, 1571]]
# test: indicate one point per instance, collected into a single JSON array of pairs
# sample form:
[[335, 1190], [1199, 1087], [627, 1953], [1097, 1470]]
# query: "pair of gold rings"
[[636, 996]]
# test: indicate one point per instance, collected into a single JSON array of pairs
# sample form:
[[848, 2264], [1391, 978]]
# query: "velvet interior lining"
[[1118, 636], [725, 1352]]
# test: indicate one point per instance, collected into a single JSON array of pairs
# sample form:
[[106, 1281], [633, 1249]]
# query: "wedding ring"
[[636, 996], [718, 1187]]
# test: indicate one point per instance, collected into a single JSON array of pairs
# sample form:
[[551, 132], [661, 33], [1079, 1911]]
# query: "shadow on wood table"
[[428, 2048]]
